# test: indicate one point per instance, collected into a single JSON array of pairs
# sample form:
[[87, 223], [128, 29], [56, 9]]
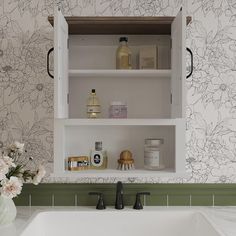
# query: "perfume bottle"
[[93, 105], [98, 157], [123, 55]]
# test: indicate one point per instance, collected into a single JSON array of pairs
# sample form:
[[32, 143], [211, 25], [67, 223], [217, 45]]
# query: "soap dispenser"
[[98, 157]]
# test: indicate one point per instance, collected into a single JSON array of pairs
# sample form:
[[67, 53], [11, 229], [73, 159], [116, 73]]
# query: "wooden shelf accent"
[[160, 25], [120, 73]]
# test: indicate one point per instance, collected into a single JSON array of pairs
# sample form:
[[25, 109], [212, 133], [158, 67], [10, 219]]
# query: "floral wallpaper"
[[26, 91]]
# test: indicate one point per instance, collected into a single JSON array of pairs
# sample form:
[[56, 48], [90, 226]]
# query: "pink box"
[[118, 110]]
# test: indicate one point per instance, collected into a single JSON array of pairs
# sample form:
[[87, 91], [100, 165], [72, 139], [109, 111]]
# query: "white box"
[[148, 57]]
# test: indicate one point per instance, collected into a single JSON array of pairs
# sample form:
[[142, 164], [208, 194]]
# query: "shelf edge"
[[121, 122], [120, 73]]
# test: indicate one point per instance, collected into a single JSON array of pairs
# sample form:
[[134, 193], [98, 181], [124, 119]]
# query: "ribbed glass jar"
[[153, 154]]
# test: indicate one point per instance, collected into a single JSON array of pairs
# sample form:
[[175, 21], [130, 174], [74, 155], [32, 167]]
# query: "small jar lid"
[[153, 142], [117, 103]]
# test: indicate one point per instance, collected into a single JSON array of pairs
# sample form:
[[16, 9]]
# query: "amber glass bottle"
[[123, 55]]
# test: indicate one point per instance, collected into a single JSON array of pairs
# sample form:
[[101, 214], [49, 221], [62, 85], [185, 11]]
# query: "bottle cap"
[[117, 103], [122, 39], [98, 146], [93, 91], [154, 142]]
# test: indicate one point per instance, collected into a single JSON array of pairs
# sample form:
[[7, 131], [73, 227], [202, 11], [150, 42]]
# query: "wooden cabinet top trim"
[[119, 25]]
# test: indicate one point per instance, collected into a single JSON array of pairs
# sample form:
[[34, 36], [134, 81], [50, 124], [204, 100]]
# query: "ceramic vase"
[[7, 211]]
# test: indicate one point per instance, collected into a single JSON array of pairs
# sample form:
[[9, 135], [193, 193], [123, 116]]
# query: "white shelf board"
[[120, 73], [122, 122], [113, 173]]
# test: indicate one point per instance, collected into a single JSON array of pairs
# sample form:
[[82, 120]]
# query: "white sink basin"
[[127, 222]]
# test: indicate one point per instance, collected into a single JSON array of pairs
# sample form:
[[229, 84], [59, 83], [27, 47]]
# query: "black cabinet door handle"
[[191, 68], [49, 51]]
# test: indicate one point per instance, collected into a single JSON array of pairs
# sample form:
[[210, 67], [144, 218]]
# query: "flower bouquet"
[[14, 172]]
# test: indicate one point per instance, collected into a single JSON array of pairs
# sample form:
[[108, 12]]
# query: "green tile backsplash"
[[161, 194]]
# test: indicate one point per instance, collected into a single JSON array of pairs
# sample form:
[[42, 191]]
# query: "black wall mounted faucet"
[[119, 204]]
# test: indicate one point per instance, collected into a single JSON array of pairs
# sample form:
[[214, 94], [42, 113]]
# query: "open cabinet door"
[[60, 65], [178, 65]]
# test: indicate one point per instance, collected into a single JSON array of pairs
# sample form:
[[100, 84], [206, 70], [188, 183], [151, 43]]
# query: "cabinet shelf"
[[120, 73], [113, 173], [121, 122]]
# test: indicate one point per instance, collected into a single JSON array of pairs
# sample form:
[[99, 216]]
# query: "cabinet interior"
[[99, 51], [81, 139], [146, 97]]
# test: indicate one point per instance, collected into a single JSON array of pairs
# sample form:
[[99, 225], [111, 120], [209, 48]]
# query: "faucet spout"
[[119, 196]]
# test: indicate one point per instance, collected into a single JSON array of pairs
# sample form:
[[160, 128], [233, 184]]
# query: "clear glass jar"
[[153, 154]]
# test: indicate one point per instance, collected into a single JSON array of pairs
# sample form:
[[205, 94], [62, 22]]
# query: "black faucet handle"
[[101, 204], [138, 204]]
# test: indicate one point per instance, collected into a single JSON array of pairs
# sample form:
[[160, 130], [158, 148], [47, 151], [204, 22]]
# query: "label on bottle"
[[152, 158], [124, 62], [97, 159], [95, 109]]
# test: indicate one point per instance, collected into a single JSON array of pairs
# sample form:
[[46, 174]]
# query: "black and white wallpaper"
[[26, 91]]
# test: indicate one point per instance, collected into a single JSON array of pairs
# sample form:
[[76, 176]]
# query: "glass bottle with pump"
[[123, 55], [93, 105]]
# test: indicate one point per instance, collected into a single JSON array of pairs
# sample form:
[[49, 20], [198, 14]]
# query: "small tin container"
[[78, 163], [118, 110]]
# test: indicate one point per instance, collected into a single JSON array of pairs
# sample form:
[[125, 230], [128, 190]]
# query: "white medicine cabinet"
[[84, 59]]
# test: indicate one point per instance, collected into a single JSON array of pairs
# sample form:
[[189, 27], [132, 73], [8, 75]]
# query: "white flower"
[[11, 187], [39, 175], [4, 168], [9, 161], [18, 146]]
